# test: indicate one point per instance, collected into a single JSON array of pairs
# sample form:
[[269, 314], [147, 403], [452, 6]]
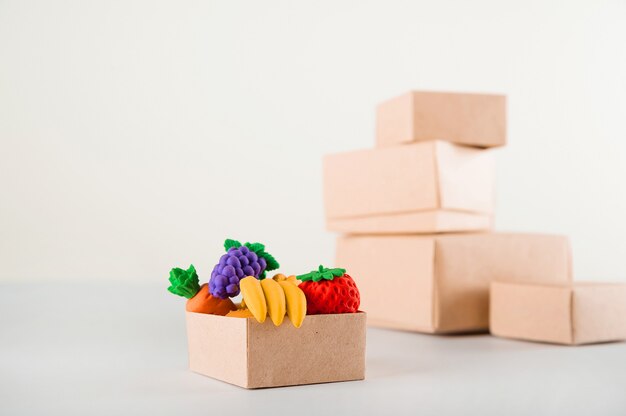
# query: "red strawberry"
[[329, 291]]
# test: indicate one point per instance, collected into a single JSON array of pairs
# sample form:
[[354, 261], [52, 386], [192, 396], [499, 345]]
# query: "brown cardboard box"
[[570, 313], [470, 119], [422, 187], [243, 352], [440, 283]]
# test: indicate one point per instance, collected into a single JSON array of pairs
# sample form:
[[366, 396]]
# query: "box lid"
[[420, 222]]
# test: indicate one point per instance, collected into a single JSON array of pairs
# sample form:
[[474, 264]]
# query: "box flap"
[[422, 222]]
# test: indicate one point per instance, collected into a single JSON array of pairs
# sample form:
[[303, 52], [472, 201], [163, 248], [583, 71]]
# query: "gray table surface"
[[94, 348]]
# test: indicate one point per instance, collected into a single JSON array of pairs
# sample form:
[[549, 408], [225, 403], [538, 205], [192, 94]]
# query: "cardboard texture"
[[569, 313], [243, 352], [440, 283], [426, 187], [469, 119]]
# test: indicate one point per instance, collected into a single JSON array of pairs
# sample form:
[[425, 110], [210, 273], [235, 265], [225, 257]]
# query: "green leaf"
[[272, 264], [256, 247], [338, 272], [228, 244], [259, 249], [322, 273], [184, 282]]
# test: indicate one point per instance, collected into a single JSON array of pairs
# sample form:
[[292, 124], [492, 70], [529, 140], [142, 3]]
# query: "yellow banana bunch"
[[278, 296]]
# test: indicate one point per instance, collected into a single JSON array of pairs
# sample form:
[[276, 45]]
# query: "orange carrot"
[[185, 283], [204, 302]]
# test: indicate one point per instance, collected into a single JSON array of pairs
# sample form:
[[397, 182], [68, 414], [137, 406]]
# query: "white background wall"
[[137, 135]]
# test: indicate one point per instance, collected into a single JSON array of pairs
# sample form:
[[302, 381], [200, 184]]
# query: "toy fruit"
[[296, 301], [281, 277], [239, 261], [240, 313], [254, 297], [185, 283], [275, 299], [329, 291]]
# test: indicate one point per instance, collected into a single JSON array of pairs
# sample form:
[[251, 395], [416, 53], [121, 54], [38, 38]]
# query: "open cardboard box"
[[440, 283], [249, 354], [469, 119], [569, 313], [419, 188]]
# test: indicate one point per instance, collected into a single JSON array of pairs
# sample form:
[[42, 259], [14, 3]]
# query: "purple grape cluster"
[[237, 263]]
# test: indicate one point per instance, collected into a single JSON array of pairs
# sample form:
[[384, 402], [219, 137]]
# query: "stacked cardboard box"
[[416, 215]]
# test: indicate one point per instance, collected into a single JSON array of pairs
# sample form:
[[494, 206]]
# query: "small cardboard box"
[[423, 187], [570, 313], [243, 352], [440, 283], [469, 119]]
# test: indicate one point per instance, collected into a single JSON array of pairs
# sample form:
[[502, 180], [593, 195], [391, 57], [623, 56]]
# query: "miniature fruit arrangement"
[[242, 269]]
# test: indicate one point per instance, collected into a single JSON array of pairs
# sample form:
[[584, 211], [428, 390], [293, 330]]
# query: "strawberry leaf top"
[[184, 282], [322, 273], [259, 249]]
